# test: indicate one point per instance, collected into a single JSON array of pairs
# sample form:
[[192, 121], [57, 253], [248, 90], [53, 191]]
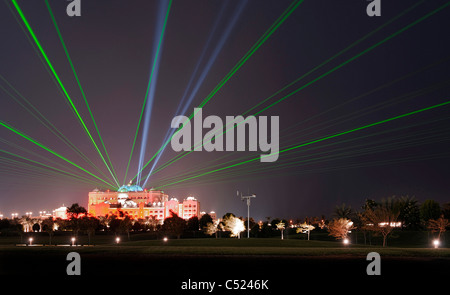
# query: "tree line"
[[379, 218], [382, 218]]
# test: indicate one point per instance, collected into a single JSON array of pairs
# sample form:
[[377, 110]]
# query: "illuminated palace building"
[[136, 202]]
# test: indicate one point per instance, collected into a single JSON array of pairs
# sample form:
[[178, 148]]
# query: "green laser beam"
[[79, 86], [406, 137], [23, 135], [358, 55], [315, 141], [336, 55], [318, 170], [46, 123], [46, 167], [330, 71], [38, 44], [360, 112]]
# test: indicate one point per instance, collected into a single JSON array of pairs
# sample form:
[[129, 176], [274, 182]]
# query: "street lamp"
[[346, 241], [73, 241], [30, 240], [117, 240], [165, 239]]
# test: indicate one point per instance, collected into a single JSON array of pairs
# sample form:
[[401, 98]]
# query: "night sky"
[[401, 65]]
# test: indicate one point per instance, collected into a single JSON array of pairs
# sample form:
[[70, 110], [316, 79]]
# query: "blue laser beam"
[[186, 100], [164, 6]]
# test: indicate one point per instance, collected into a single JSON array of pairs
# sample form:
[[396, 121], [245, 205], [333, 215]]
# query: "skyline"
[[362, 101]]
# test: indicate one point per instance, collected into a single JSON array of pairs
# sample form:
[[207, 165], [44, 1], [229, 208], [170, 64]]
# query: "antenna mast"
[[248, 197]]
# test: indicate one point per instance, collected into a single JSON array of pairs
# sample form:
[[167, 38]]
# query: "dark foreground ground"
[[294, 271]]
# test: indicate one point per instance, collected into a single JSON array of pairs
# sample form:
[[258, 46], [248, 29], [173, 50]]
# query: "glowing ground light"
[[73, 241], [346, 241], [117, 240], [165, 239], [30, 240], [436, 243]]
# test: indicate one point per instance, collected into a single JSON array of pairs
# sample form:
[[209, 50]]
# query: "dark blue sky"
[[111, 46]]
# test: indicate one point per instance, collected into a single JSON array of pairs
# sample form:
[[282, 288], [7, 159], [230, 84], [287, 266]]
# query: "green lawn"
[[233, 246]]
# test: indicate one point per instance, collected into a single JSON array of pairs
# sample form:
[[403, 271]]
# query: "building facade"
[[139, 203]]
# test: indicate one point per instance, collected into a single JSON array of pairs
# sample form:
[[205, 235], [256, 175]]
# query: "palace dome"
[[130, 188]]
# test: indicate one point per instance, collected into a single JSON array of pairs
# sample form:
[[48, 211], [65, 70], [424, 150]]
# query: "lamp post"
[[248, 210]]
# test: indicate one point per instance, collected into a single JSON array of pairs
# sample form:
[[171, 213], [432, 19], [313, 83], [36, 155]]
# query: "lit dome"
[[130, 188]]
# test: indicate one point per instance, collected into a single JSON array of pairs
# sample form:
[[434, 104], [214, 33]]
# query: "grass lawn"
[[177, 260], [231, 246]]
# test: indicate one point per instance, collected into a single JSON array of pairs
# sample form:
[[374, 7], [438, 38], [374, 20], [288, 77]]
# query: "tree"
[[204, 220], [227, 215], [305, 228], [48, 226], [446, 210], [27, 223], [430, 209], [281, 227], [125, 225], [339, 228], [266, 230], [138, 225], [343, 211], [89, 224], [381, 220], [274, 223], [174, 225], [440, 225], [151, 223], [369, 204], [234, 225], [409, 213], [193, 224], [103, 222], [60, 224], [75, 210], [211, 228]]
